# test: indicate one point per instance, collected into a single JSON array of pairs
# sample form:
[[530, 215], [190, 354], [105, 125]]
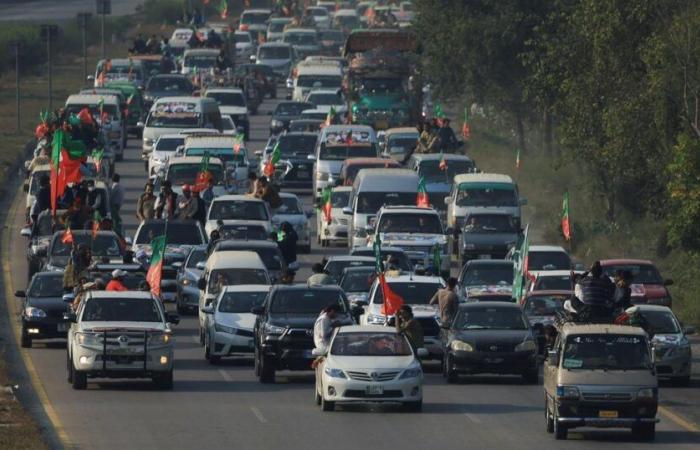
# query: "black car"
[[43, 308], [166, 85], [480, 273], [490, 337], [40, 234], [337, 264], [284, 113], [487, 235], [188, 274], [105, 246], [284, 327], [295, 148]]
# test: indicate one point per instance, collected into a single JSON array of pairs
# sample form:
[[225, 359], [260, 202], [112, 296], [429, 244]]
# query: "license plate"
[[123, 360], [374, 389], [303, 174], [62, 327], [484, 256], [604, 414], [493, 360], [381, 125]]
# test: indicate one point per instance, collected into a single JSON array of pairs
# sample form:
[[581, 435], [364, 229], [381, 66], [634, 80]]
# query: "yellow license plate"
[[607, 414], [381, 125]]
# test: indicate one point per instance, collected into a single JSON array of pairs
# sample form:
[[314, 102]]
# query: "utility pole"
[[104, 7], [49, 33], [15, 46], [83, 19]]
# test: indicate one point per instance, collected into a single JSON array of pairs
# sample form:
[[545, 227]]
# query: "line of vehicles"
[[594, 375]]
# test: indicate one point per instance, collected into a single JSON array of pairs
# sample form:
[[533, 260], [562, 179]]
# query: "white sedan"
[[369, 363]]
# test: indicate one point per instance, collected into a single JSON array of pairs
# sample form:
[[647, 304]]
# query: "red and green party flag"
[[155, 269], [204, 176], [67, 237], [392, 301], [377, 248], [96, 221], [442, 165], [223, 9], [237, 144], [466, 129], [437, 110], [327, 206], [565, 219], [65, 168], [437, 257], [422, 200], [97, 156], [269, 169], [330, 116]]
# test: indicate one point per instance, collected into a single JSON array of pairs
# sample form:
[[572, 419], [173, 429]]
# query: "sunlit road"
[[224, 406]]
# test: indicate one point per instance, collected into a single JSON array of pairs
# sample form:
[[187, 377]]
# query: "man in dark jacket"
[[287, 242]]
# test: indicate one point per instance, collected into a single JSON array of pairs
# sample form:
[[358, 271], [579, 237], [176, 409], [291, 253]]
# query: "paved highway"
[[224, 406]]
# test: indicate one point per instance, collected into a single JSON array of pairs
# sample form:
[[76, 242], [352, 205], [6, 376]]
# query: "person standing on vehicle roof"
[[187, 206]]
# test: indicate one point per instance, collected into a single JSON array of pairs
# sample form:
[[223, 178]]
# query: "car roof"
[[237, 197], [550, 292], [234, 259], [120, 294], [349, 258], [246, 288], [482, 178], [438, 157], [366, 329], [547, 248], [409, 277], [570, 328], [489, 305], [91, 99], [369, 160], [191, 160], [489, 262], [614, 262], [659, 308]]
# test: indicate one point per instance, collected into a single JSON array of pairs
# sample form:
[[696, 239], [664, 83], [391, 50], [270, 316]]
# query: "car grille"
[[490, 347], [430, 326], [356, 393], [379, 376], [607, 396], [293, 174], [56, 314], [297, 338], [342, 220]]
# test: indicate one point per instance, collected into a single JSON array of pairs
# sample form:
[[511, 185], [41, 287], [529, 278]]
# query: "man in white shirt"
[[323, 329]]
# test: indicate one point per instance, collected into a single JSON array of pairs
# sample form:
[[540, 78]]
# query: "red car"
[[647, 286]]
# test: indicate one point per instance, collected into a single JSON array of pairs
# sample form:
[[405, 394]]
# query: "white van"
[[106, 111], [169, 115], [337, 143], [228, 268], [316, 76], [373, 189]]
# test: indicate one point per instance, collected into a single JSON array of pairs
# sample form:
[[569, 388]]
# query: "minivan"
[[106, 111]]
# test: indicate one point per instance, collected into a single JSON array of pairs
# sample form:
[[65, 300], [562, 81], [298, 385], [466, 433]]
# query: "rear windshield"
[[300, 38], [238, 210], [294, 145], [277, 52], [478, 194], [241, 302], [491, 274], [606, 352], [548, 261], [642, 273], [170, 84], [370, 202], [370, 344], [411, 293], [122, 310], [410, 223], [177, 233], [233, 277], [305, 301], [490, 319]]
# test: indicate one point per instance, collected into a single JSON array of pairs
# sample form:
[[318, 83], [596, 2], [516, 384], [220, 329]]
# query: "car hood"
[[244, 321], [370, 363], [238, 110], [293, 219], [495, 337], [329, 166], [399, 239], [48, 303], [301, 320], [122, 326]]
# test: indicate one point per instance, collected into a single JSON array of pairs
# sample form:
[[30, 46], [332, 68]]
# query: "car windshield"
[[109, 110], [411, 293], [290, 205], [238, 210], [254, 18], [404, 263], [642, 273], [340, 199], [490, 319], [370, 344], [276, 52], [242, 38], [300, 38], [401, 145], [46, 286], [343, 152], [244, 232], [370, 202], [305, 125], [325, 99], [335, 268], [381, 86], [305, 301], [224, 154], [101, 245], [292, 109], [122, 310], [295, 145], [240, 302], [170, 84], [410, 223], [228, 98], [488, 223], [543, 305], [233, 277], [472, 194], [179, 174], [491, 274], [430, 170], [277, 27], [196, 256], [606, 352], [169, 144], [200, 61], [661, 322], [319, 81], [553, 283], [548, 261], [178, 233], [358, 280]]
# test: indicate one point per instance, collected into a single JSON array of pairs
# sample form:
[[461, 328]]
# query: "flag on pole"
[[517, 158], [466, 129], [437, 110], [67, 237], [327, 206], [437, 258], [442, 165], [97, 156], [237, 144], [348, 138], [155, 269], [422, 200], [392, 300], [377, 248], [204, 176], [96, 221], [223, 9], [520, 265], [565, 220], [269, 168], [55, 168], [330, 116]]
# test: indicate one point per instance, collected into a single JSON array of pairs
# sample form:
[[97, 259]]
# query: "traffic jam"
[[360, 244]]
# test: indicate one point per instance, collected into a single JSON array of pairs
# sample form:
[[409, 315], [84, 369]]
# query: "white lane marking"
[[225, 375], [472, 417], [258, 414]]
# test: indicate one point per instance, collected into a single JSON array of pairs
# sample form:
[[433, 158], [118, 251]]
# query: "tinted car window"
[[122, 310], [305, 301], [240, 302], [46, 286], [178, 233]]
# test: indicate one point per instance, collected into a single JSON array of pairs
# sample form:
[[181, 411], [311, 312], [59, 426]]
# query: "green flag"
[[520, 263], [155, 269], [437, 110], [437, 258]]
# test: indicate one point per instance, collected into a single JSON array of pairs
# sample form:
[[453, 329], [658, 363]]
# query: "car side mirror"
[[422, 353], [311, 157], [140, 124], [347, 211], [172, 318], [553, 357], [523, 201], [447, 200], [257, 310], [209, 309], [668, 282], [23, 294], [317, 352], [128, 240], [258, 153], [70, 317], [689, 330], [201, 265], [202, 284], [26, 232]]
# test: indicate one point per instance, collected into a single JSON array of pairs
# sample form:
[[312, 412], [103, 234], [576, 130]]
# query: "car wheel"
[[318, 397], [532, 376], [25, 339], [327, 405], [681, 381], [416, 406], [79, 380], [549, 422], [646, 432], [164, 381], [449, 374], [266, 373], [560, 431]]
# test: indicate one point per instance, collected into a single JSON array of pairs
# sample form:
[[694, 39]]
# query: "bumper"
[[586, 413], [47, 328], [284, 358], [605, 423], [127, 365], [493, 362], [226, 344], [336, 233], [677, 366], [347, 390]]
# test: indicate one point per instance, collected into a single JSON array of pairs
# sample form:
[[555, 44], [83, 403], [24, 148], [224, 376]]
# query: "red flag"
[[392, 300], [67, 237], [69, 172], [422, 200], [565, 220], [155, 269], [85, 116], [466, 131], [442, 165]]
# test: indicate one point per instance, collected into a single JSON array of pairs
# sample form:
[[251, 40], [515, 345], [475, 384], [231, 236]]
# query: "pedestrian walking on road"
[[116, 200], [447, 301], [146, 205], [166, 201]]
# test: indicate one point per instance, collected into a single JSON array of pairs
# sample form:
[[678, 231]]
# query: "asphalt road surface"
[[224, 406], [53, 10]]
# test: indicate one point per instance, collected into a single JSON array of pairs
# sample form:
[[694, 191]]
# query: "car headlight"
[[649, 393], [159, 339], [334, 373], [375, 319], [89, 339], [460, 346], [567, 392], [30, 311], [526, 346], [322, 176], [276, 123], [186, 282], [147, 142], [273, 329], [223, 328], [412, 373]]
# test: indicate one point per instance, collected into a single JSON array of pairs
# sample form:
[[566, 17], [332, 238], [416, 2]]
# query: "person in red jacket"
[[116, 284]]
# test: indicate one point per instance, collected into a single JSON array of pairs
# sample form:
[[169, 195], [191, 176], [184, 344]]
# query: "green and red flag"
[[520, 265], [66, 158], [204, 176], [330, 116], [67, 237], [392, 300], [96, 221], [269, 168], [437, 258], [237, 144], [155, 268], [97, 156], [442, 165], [565, 219], [466, 129], [422, 200], [223, 9], [55, 168], [327, 206], [377, 248]]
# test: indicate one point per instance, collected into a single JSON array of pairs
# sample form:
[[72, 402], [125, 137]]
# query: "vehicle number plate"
[[62, 327], [122, 360], [374, 389], [605, 414], [493, 360], [303, 174], [484, 256], [381, 125]]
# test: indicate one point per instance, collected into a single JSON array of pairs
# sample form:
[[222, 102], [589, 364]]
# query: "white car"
[[229, 322], [369, 363], [238, 209], [120, 335], [322, 18], [292, 211], [245, 47], [232, 103], [327, 99], [337, 230], [164, 147]]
